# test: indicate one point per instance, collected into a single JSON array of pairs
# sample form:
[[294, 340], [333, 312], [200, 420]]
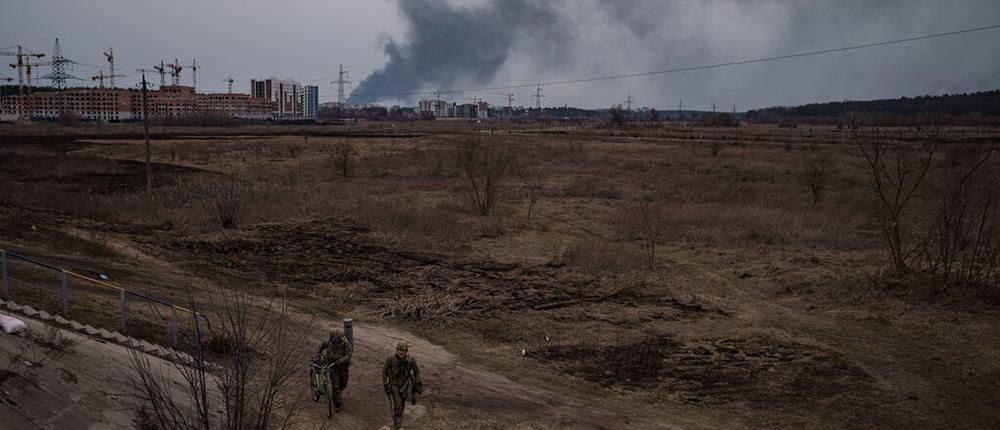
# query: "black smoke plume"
[[450, 45]]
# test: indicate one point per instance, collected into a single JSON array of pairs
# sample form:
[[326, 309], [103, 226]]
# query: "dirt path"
[[458, 394]]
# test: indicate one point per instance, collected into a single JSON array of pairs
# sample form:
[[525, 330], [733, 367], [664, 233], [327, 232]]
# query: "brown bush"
[[229, 199], [484, 166]]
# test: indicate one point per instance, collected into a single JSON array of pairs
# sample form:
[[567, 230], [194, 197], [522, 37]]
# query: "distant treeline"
[[981, 108]]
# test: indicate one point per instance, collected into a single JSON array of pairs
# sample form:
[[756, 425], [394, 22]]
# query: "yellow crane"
[[175, 72], [23, 66]]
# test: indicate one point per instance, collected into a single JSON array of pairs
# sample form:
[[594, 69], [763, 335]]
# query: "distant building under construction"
[[170, 101], [443, 109]]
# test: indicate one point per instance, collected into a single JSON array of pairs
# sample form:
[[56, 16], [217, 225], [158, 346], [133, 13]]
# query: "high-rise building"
[[289, 96], [310, 101]]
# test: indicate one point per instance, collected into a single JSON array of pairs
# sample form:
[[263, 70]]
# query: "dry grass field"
[[724, 278]]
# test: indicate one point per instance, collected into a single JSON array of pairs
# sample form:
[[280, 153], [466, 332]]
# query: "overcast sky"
[[407, 46]]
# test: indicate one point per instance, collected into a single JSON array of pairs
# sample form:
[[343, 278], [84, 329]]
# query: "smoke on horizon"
[[452, 45]]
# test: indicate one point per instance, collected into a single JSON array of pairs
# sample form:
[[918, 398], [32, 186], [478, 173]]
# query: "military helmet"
[[335, 333], [402, 346]]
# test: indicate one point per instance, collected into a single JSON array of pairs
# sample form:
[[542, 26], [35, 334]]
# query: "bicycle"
[[321, 383]]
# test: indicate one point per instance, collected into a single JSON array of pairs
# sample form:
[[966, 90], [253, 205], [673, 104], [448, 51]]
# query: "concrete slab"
[[84, 388]]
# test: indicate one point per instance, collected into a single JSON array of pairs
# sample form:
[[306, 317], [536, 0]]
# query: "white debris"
[[12, 325]]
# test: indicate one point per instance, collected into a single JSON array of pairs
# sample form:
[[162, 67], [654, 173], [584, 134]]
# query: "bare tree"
[[250, 380], [895, 173], [343, 158], [484, 166], [815, 176], [648, 222]]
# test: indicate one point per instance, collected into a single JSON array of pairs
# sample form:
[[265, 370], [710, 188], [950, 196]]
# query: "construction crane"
[[163, 71], [23, 64], [194, 75], [101, 76], [230, 82], [175, 72], [510, 103], [110, 55], [176, 67]]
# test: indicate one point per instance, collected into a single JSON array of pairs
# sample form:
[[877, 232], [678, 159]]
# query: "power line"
[[701, 67]]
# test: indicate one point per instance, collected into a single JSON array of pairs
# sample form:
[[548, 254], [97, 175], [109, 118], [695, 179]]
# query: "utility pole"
[[628, 104], [145, 134], [341, 80], [680, 109], [843, 124], [538, 101], [713, 107]]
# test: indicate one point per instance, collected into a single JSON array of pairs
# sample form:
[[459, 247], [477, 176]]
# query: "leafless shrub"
[[251, 382], [343, 159], [895, 173], [55, 340], [229, 199], [646, 221], [816, 176], [963, 243], [29, 355], [484, 166]]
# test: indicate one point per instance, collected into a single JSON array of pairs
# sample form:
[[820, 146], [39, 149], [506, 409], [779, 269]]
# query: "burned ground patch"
[[624, 363], [758, 370]]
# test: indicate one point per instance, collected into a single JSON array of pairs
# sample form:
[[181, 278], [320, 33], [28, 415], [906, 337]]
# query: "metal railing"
[[123, 294]]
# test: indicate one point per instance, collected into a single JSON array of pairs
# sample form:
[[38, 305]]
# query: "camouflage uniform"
[[401, 379], [337, 350]]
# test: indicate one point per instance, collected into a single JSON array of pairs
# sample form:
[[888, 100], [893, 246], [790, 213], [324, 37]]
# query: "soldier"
[[336, 350], [401, 379]]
